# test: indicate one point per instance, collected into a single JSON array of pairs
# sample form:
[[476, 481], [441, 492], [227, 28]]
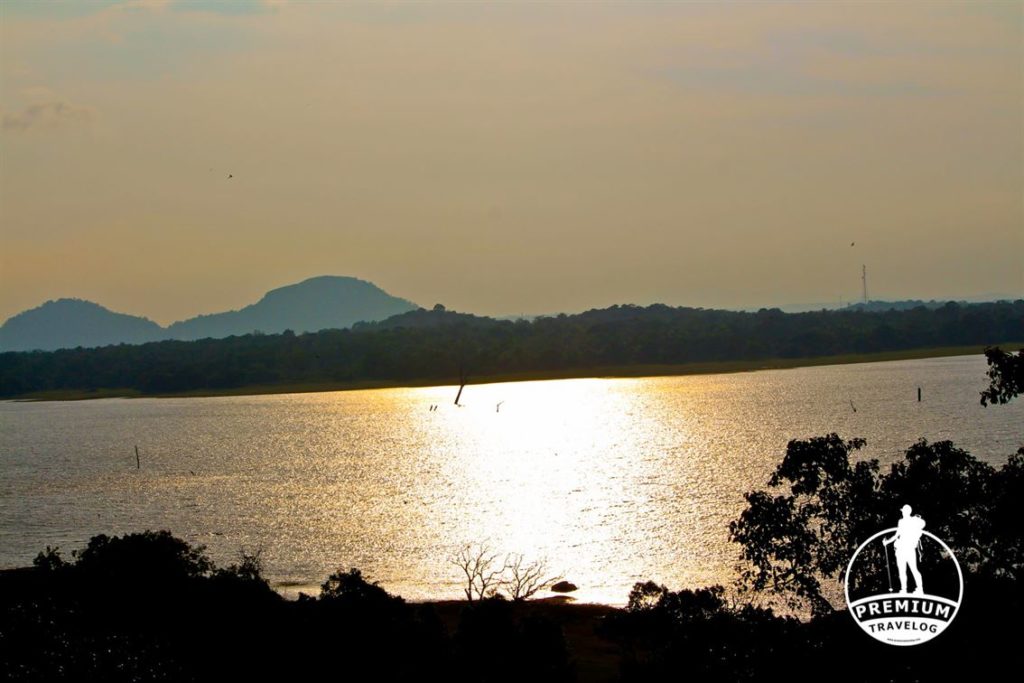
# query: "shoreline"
[[597, 372]]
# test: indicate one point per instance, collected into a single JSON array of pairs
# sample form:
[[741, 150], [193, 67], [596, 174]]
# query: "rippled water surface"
[[611, 480]]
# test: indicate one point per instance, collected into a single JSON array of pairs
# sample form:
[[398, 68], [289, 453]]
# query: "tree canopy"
[[1006, 376], [797, 536], [444, 346]]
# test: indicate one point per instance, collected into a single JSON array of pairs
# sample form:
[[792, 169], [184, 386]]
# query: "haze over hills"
[[67, 323], [319, 303], [315, 304]]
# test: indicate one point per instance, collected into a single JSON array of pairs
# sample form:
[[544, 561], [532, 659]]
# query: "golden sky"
[[511, 157]]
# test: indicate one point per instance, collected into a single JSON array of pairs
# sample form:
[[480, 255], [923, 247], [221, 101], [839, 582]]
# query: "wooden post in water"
[[919, 394], [138, 464], [463, 377]]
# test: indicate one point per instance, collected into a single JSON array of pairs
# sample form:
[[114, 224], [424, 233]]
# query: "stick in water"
[[138, 465]]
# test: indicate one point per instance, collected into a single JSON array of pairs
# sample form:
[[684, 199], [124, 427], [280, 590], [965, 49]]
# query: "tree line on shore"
[[440, 345]]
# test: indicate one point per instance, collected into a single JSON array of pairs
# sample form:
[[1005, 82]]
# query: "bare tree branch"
[[522, 580], [477, 563]]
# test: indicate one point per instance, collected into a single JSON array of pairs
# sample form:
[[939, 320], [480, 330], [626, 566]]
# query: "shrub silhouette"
[[666, 634], [149, 606], [150, 556], [496, 641], [350, 587]]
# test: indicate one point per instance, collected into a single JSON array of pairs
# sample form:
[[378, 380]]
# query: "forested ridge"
[[437, 344]]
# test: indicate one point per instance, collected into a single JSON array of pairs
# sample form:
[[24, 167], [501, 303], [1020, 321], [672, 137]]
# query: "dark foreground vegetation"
[[150, 607], [442, 346]]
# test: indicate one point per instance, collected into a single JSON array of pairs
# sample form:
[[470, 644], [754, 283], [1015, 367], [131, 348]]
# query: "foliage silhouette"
[[149, 606], [497, 645], [145, 606], [695, 634], [350, 590], [821, 506], [1006, 376]]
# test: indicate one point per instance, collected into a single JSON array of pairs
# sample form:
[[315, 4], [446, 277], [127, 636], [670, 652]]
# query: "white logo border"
[[849, 568]]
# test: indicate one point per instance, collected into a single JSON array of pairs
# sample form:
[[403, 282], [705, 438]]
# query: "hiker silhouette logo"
[[903, 584]]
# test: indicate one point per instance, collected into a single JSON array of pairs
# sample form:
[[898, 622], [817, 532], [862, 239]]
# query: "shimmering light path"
[[612, 481]]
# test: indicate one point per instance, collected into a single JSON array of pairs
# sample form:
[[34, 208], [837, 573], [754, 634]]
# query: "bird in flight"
[[852, 243], [230, 176]]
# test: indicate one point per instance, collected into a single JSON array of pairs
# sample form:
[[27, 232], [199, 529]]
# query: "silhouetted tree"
[[522, 580], [821, 506], [143, 606], [249, 566], [50, 560], [351, 588], [1006, 376], [481, 573], [792, 538]]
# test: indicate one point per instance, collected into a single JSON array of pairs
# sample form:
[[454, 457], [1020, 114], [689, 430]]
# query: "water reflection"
[[612, 481]]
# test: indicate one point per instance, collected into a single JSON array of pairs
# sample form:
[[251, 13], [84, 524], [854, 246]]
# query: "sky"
[[511, 157]]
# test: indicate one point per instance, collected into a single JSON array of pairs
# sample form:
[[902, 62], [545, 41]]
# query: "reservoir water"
[[610, 481]]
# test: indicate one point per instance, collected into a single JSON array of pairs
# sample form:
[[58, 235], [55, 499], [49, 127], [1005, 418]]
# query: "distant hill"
[[69, 323], [312, 305], [327, 302]]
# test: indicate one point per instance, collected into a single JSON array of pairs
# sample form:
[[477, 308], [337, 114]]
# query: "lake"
[[610, 481]]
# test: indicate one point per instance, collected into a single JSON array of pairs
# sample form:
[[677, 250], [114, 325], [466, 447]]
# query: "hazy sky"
[[519, 157]]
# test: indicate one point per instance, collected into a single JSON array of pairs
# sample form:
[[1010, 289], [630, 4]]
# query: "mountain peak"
[[324, 302], [68, 303], [69, 323], [322, 284]]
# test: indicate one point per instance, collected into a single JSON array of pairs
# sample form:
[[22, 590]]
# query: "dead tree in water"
[[463, 378]]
